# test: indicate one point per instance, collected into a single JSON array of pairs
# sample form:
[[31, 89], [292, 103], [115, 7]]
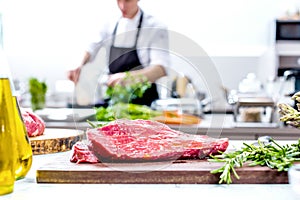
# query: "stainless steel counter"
[[215, 125]]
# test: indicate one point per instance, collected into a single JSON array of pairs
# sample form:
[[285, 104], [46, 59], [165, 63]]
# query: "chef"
[[138, 43]]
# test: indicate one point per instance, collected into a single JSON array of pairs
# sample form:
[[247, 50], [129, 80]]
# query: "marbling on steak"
[[82, 154], [145, 140], [35, 126]]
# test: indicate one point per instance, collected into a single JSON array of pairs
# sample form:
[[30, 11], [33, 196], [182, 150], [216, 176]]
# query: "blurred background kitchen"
[[44, 39]]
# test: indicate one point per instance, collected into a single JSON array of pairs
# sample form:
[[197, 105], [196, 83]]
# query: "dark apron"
[[123, 59]]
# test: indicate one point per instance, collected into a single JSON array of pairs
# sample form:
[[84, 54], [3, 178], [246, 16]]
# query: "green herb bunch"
[[132, 87], [37, 90], [124, 110], [271, 155]]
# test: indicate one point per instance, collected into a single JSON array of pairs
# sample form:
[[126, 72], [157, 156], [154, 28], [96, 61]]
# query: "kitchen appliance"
[[251, 102], [288, 49], [288, 52], [256, 102], [287, 30]]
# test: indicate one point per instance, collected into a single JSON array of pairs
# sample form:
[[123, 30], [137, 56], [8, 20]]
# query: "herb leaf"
[[124, 110], [37, 90], [133, 87], [272, 155]]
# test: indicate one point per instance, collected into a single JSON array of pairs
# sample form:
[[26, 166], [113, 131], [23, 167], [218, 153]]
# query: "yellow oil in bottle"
[[24, 149], [8, 150]]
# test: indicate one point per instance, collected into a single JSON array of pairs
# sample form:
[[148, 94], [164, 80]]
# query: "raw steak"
[[35, 126], [81, 154], [146, 140]]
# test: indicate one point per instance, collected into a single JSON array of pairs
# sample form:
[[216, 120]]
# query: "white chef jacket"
[[152, 44]]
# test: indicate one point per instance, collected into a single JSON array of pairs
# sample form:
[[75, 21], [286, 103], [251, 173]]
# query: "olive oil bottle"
[[24, 150], [8, 149]]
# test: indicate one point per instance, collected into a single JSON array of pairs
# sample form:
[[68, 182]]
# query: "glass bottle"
[[24, 150], [8, 150], [23, 144]]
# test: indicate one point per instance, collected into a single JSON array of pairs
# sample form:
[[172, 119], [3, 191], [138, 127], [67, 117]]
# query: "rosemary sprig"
[[272, 155]]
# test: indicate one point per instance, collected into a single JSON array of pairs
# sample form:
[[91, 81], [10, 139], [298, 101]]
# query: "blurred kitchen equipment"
[[250, 100], [231, 96], [287, 30], [288, 49], [184, 105], [265, 140], [252, 114], [289, 74], [279, 87], [182, 87], [66, 114], [254, 102], [250, 84]]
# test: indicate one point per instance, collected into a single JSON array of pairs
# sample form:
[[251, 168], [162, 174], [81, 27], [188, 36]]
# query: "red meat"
[[81, 154], [146, 140], [35, 126]]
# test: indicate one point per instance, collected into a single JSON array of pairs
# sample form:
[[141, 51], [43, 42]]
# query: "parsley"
[[124, 110], [37, 90], [133, 87]]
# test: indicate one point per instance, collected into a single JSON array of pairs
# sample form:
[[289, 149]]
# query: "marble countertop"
[[28, 188]]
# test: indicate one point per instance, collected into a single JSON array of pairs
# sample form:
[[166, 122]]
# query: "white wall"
[[44, 38]]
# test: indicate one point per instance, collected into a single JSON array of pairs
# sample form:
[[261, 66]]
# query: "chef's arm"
[[74, 74], [152, 73], [85, 59]]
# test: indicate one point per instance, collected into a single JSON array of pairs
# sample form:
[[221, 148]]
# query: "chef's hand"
[[74, 74], [117, 78]]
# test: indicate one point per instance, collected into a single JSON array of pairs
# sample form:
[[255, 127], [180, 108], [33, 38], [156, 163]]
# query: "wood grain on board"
[[61, 170], [55, 140]]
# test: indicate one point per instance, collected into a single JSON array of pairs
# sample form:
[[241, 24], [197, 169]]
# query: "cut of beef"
[[35, 126], [81, 154], [146, 140]]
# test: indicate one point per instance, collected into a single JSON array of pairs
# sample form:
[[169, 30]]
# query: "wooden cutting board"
[[61, 170], [55, 140]]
